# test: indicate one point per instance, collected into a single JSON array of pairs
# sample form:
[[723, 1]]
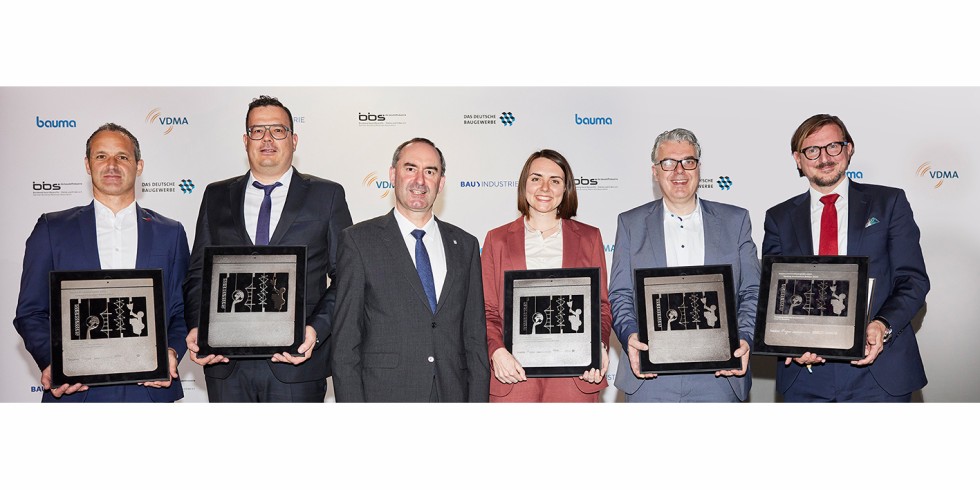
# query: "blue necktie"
[[265, 212], [424, 267]]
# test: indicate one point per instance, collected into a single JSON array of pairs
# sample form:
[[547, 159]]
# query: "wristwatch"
[[888, 329]]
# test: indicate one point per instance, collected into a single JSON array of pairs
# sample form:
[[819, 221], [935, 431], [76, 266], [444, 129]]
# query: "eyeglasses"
[[278, 131], [833, 149], [669, 164]]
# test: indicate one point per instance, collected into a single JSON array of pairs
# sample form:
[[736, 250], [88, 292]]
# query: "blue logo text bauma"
[[855, 174], [593, 121], [54, 123]]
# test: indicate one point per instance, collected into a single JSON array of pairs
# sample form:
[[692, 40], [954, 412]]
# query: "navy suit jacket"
[[879, 226], [640, 244], [314, 214], [67, 240]]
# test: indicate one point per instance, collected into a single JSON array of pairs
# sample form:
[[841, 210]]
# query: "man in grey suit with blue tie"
[[682, 230], [409, 324]]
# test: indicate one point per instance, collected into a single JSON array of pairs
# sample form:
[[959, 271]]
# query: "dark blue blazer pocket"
[[381, 360]]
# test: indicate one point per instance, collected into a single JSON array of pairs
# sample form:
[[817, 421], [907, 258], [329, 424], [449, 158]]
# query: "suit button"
[[432, 359], [433, 324]]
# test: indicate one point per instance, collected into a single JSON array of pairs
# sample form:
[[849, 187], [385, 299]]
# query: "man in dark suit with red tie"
[[272, 204], [839, 217]]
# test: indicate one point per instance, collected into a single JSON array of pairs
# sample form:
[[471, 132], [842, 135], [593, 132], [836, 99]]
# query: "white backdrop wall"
[[919, 139]]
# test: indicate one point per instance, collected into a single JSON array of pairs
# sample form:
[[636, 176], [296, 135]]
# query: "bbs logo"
[[370, 117], [44, 186], [586, 182]]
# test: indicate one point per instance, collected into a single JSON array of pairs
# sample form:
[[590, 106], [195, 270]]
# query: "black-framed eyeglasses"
[[833, 149], [278, 131], [669, 164]]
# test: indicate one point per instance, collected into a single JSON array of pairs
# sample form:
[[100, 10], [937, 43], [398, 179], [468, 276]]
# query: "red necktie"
[[828, 225]]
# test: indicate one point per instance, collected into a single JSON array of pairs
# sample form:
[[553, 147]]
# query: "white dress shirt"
[[541, 252], [433, 245], [684, 237], [816, 212], [117, 236], [253, 201]]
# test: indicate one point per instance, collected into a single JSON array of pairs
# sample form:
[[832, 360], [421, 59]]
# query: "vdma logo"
[[155, 115], [939, 176], [372, 180]]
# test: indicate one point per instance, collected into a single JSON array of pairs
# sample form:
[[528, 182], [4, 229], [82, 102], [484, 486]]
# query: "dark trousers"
[[838, 381], [252, 381]]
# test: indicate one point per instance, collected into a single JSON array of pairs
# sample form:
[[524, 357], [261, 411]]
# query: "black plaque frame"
[[703, 347], [780, 329], [554, 283], [226, 261], [88, 360]]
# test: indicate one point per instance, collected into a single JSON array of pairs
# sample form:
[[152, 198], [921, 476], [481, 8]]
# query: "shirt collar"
[[841, 190], [407, 227], [284, 180], [104, 210], [671, 216]]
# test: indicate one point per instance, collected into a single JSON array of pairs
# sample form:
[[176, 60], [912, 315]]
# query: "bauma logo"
[[54, 123], [372, 180], [168, 122]]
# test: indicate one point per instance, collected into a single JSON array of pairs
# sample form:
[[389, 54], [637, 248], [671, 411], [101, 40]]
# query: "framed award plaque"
[[108, 327], [686, 315], [252, 301], [815, 303], [552, 322]]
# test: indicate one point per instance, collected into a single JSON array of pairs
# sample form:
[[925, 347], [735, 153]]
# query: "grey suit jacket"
[[640, 244], [387, 345]]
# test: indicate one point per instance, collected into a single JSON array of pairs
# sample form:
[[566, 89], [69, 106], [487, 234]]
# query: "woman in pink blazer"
[[544, 237]]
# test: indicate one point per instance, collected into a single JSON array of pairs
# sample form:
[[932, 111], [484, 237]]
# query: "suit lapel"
[[454, 262], [144, 237], [800, 217], [401, 259], [858, 213], [90, 239], [514, 252], [236, 203], [655, 230], [713, 228], [573, 245], [295, 199]]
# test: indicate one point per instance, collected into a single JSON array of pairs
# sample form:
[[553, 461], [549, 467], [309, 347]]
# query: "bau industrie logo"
[[487, 184], [937, 176], [167, 122], [505, 118], [372, 181], [54, 123]]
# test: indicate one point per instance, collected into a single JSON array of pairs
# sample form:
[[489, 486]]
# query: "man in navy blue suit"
[[838, 216], [111, 232]]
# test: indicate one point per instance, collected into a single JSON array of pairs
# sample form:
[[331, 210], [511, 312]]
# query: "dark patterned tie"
[[828, 225], [424, 267], [265, 212]]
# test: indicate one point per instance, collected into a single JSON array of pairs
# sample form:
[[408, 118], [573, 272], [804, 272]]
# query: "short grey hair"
[[679, 134]]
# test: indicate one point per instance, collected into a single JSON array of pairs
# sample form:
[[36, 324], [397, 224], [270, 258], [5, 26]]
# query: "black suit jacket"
[[880, 226], [388, 346], [313, 216]]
